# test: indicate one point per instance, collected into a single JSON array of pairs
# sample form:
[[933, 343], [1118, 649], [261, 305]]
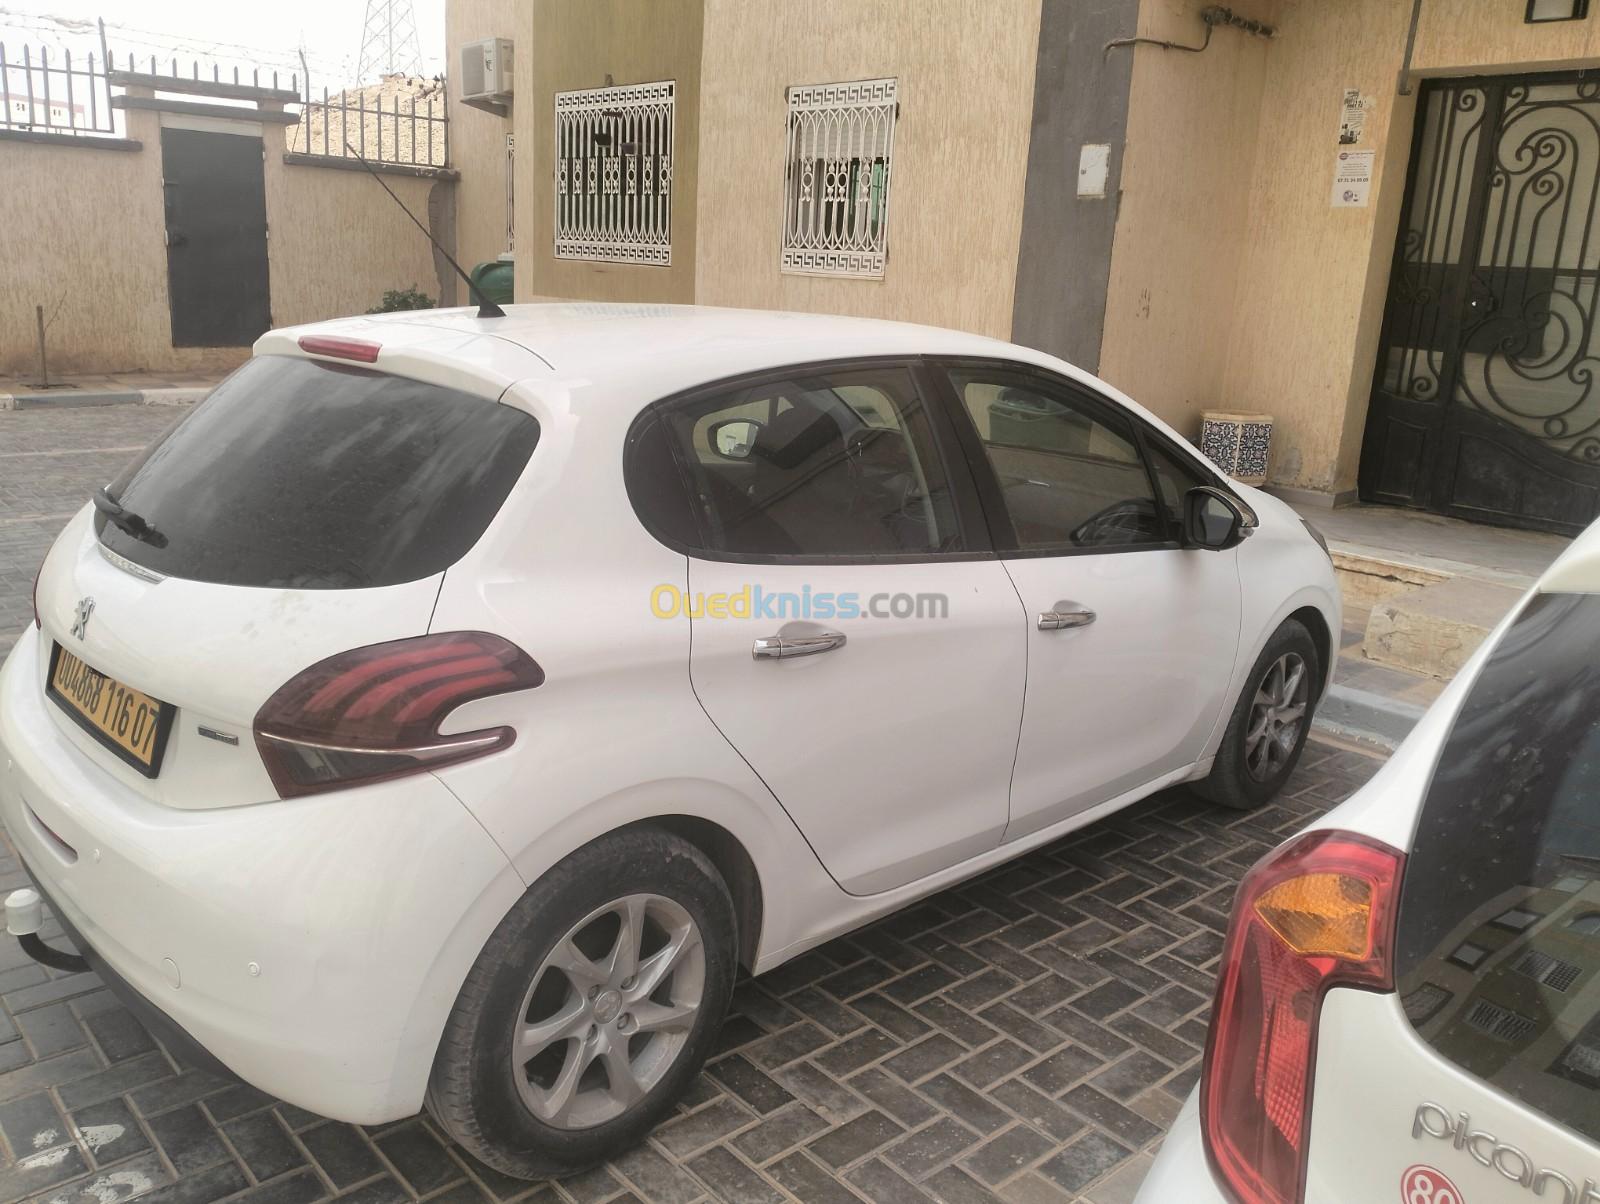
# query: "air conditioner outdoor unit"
[[486, 71]]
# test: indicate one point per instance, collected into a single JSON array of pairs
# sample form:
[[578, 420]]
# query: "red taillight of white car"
[[1316, 914], [374, 713]]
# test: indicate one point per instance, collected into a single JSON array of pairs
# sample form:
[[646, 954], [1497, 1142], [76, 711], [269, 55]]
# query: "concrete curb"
[[176, 397], [1353, 714], [71, 399]]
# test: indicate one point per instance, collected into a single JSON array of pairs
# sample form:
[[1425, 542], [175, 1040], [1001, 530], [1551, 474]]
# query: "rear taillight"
[[1317, 913], [374, 713]]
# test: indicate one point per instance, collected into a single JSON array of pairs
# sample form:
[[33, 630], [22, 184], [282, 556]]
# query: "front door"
[[852, 636], [1486, 399], [216, 238], [1131, 637]]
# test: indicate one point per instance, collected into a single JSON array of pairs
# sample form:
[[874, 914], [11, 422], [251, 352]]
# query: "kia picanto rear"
[[191, 660], [1408, 1006]]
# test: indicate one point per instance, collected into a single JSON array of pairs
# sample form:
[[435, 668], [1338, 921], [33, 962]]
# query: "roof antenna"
[[486, 307]]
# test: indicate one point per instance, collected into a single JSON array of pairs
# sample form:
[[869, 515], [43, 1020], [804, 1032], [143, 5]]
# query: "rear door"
[[853, 637], [303, 509], [1483, 1072], [1131, 638]]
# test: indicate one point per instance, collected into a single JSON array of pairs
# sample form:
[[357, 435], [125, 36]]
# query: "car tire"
[[1265, 735], [599, 1061]]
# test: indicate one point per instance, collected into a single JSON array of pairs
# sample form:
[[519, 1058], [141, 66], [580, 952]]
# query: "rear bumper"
[[1181, 1174], [173, 1036], [314, 947]]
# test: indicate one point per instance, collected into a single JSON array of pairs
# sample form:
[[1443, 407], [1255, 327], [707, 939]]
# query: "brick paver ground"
[[1025, 1037], [50, 462]]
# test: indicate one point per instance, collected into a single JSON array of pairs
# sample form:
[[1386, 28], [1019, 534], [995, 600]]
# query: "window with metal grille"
[[1424, 1003], [614, 174], [1501, 1023], [837, 178], [1548, 971]]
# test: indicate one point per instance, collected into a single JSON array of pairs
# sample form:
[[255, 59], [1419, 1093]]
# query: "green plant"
[[403, 298]]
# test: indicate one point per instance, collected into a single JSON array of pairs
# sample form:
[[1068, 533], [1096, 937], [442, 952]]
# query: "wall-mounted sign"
[[1352, 117], [1352, 179]]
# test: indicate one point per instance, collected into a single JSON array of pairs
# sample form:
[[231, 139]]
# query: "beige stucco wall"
[[86, 228], [1182, 220], [478, 138], [1462, 37], [1307, 282], [337, 242], [1312, 282], [589, 44], [82, 233], [965, 70]]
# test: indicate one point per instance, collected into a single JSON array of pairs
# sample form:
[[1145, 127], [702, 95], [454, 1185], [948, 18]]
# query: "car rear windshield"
[[306, 475], [1499, 942]]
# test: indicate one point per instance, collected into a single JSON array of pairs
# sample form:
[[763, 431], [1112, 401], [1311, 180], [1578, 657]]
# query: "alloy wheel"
[[609, 1011], [1277, 716]]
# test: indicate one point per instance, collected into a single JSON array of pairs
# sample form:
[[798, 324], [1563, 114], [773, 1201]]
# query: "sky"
[[241, 33]]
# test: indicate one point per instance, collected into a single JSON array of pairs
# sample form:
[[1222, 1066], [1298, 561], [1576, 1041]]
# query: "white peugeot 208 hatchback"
[[1408, 1007], [445, 709]]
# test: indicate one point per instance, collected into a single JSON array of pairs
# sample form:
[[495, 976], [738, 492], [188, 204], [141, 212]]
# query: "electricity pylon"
[[389, 44]]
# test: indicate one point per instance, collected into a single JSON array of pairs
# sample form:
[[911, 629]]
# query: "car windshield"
[[1498, 951], [306, 475]]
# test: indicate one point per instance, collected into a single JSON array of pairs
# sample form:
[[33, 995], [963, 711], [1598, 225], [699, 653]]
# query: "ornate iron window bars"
[[837, 178], [614, 174]]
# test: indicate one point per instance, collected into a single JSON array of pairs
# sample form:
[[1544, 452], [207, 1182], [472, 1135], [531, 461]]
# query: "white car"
[[447, 707], [1408, 1006]]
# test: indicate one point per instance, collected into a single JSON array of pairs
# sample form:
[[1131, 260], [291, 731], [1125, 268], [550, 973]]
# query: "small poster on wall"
[[1352, 117], [1352, 179]]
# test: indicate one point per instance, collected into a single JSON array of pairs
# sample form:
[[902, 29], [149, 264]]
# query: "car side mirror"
[[733, 438], [1212, 520]]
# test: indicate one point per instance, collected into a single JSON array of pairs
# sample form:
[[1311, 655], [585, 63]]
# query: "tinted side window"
[[297, 474], [1070, 475], [819, 464]]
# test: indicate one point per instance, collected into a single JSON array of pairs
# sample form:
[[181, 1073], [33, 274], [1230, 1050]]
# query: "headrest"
[[796, 435]]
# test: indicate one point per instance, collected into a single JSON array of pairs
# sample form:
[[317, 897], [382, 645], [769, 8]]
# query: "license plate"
[[128, 722]]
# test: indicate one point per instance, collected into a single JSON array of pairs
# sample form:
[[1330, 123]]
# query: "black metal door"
[[1486, 399], [216, 238]]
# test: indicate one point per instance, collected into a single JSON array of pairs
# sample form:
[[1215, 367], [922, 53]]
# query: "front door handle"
[[1055, 620], [780, 647]]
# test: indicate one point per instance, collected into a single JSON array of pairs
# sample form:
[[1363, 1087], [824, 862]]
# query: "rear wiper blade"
[[126, 520]]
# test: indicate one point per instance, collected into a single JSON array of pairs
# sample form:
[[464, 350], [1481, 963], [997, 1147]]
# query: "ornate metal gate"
[[1486, 399]]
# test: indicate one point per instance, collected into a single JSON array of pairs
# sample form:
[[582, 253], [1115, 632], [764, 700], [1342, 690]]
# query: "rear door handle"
[[1055, 620], [780, 647]]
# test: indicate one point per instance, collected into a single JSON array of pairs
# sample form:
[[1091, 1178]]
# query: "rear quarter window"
[[307, 475]]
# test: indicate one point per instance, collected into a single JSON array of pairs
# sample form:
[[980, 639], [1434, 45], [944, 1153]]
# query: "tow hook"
[[24, 918]]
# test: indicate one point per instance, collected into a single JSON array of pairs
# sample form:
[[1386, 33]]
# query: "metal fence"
[[400, 121], [220, 80], [64, 95], [395, 122]]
